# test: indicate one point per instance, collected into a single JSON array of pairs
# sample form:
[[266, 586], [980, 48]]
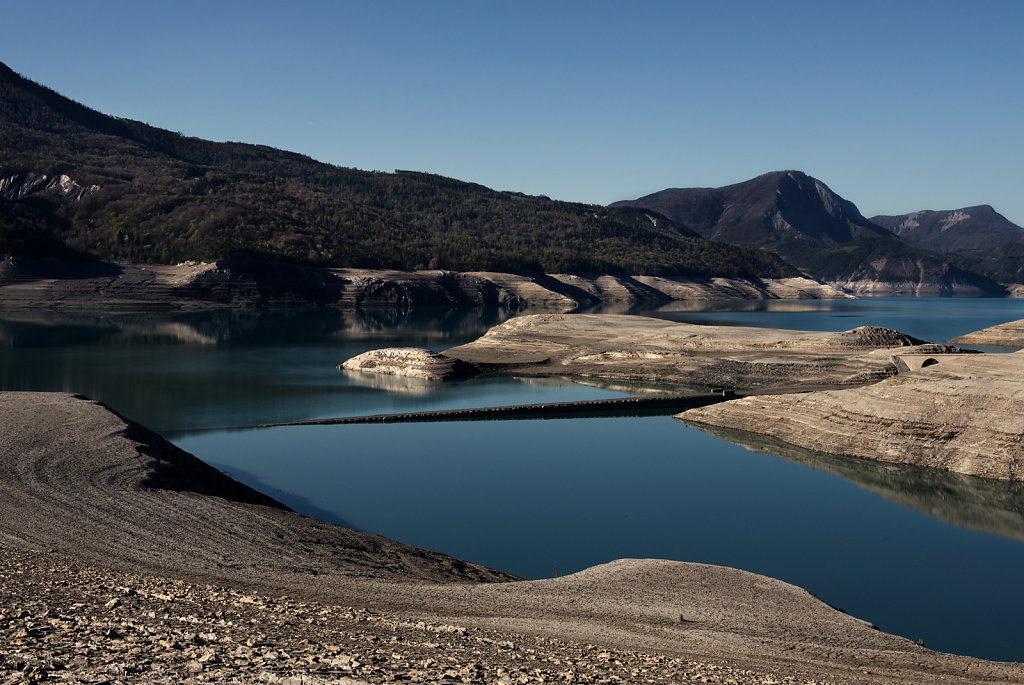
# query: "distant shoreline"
[[246, 282]]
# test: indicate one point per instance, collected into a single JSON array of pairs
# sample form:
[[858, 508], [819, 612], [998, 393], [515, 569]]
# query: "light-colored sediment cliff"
[[1009, 334], [243, 281], [960, 413]]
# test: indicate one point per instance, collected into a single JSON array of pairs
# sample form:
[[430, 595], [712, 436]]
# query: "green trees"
[[169, 198]]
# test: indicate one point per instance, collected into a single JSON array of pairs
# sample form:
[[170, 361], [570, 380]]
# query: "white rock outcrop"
[[413, 362]]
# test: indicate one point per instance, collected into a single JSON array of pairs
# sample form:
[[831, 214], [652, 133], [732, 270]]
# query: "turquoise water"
[[931, 319], [926, 555]]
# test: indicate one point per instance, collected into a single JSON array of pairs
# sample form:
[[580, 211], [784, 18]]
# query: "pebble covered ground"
[[61, 621]]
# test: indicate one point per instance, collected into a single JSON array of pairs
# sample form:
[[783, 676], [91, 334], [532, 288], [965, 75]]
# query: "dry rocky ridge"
[[644, 348], [959, 413], [127, 560], [1009, 334]]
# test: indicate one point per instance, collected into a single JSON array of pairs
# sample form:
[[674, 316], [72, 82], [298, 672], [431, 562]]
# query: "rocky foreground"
[[648, 349], [61, 621], [126, 560]]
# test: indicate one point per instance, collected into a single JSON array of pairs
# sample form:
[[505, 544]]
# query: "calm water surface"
[[922, 554]]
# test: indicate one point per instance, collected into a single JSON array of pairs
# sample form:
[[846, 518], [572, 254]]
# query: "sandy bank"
[[80, 486]]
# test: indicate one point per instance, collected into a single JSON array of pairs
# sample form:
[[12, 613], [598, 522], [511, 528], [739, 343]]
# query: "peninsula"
[[869, 392]]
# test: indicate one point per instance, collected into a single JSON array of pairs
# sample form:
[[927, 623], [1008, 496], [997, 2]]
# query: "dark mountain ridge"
[[975, 238], [121, 190], [954, 230], [766, 211], [803, 221]]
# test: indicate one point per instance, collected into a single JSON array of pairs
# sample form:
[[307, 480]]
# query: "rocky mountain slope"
[[768, 211], [976, 238], [802, 220], [954, 230], [90, 185]]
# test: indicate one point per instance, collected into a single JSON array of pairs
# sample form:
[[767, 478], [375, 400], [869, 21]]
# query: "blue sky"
[[897, 106]]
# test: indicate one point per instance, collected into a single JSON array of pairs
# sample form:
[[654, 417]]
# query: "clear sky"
[[897, 106]]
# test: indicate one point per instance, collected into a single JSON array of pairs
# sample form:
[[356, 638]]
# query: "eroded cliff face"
[[959, 413], [20, 186]]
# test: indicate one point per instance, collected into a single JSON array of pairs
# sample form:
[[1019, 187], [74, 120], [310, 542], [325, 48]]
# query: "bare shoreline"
[[82, 487], [247, 282]]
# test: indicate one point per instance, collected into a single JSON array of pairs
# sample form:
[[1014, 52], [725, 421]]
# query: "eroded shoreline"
[[248, 282], [87, 461], [868, 392]]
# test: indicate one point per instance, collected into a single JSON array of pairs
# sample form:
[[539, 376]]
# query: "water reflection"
[[391, 383], [434, 325], [989, 506], [755, 306], [625, 386]]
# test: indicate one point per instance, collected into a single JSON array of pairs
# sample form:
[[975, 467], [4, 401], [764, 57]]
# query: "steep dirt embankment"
[[131, 525], [960, 413], [77, 478], [244, 281], [643, 348]]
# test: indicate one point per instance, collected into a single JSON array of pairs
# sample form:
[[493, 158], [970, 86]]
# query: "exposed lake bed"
[[538, 498]]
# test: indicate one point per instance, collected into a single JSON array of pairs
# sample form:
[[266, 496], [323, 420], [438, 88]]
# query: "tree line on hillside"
[[166, 198]]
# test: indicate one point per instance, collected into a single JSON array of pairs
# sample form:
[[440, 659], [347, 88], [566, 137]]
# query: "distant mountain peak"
[[812, 227], [979, 227], [773, 208]]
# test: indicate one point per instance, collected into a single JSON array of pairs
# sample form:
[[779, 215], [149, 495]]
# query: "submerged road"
[[620, 406]]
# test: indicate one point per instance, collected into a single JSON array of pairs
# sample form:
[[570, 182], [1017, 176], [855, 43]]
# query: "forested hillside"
[[74, 181]]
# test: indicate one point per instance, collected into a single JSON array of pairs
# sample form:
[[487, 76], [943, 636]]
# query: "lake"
[[919, 553]]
